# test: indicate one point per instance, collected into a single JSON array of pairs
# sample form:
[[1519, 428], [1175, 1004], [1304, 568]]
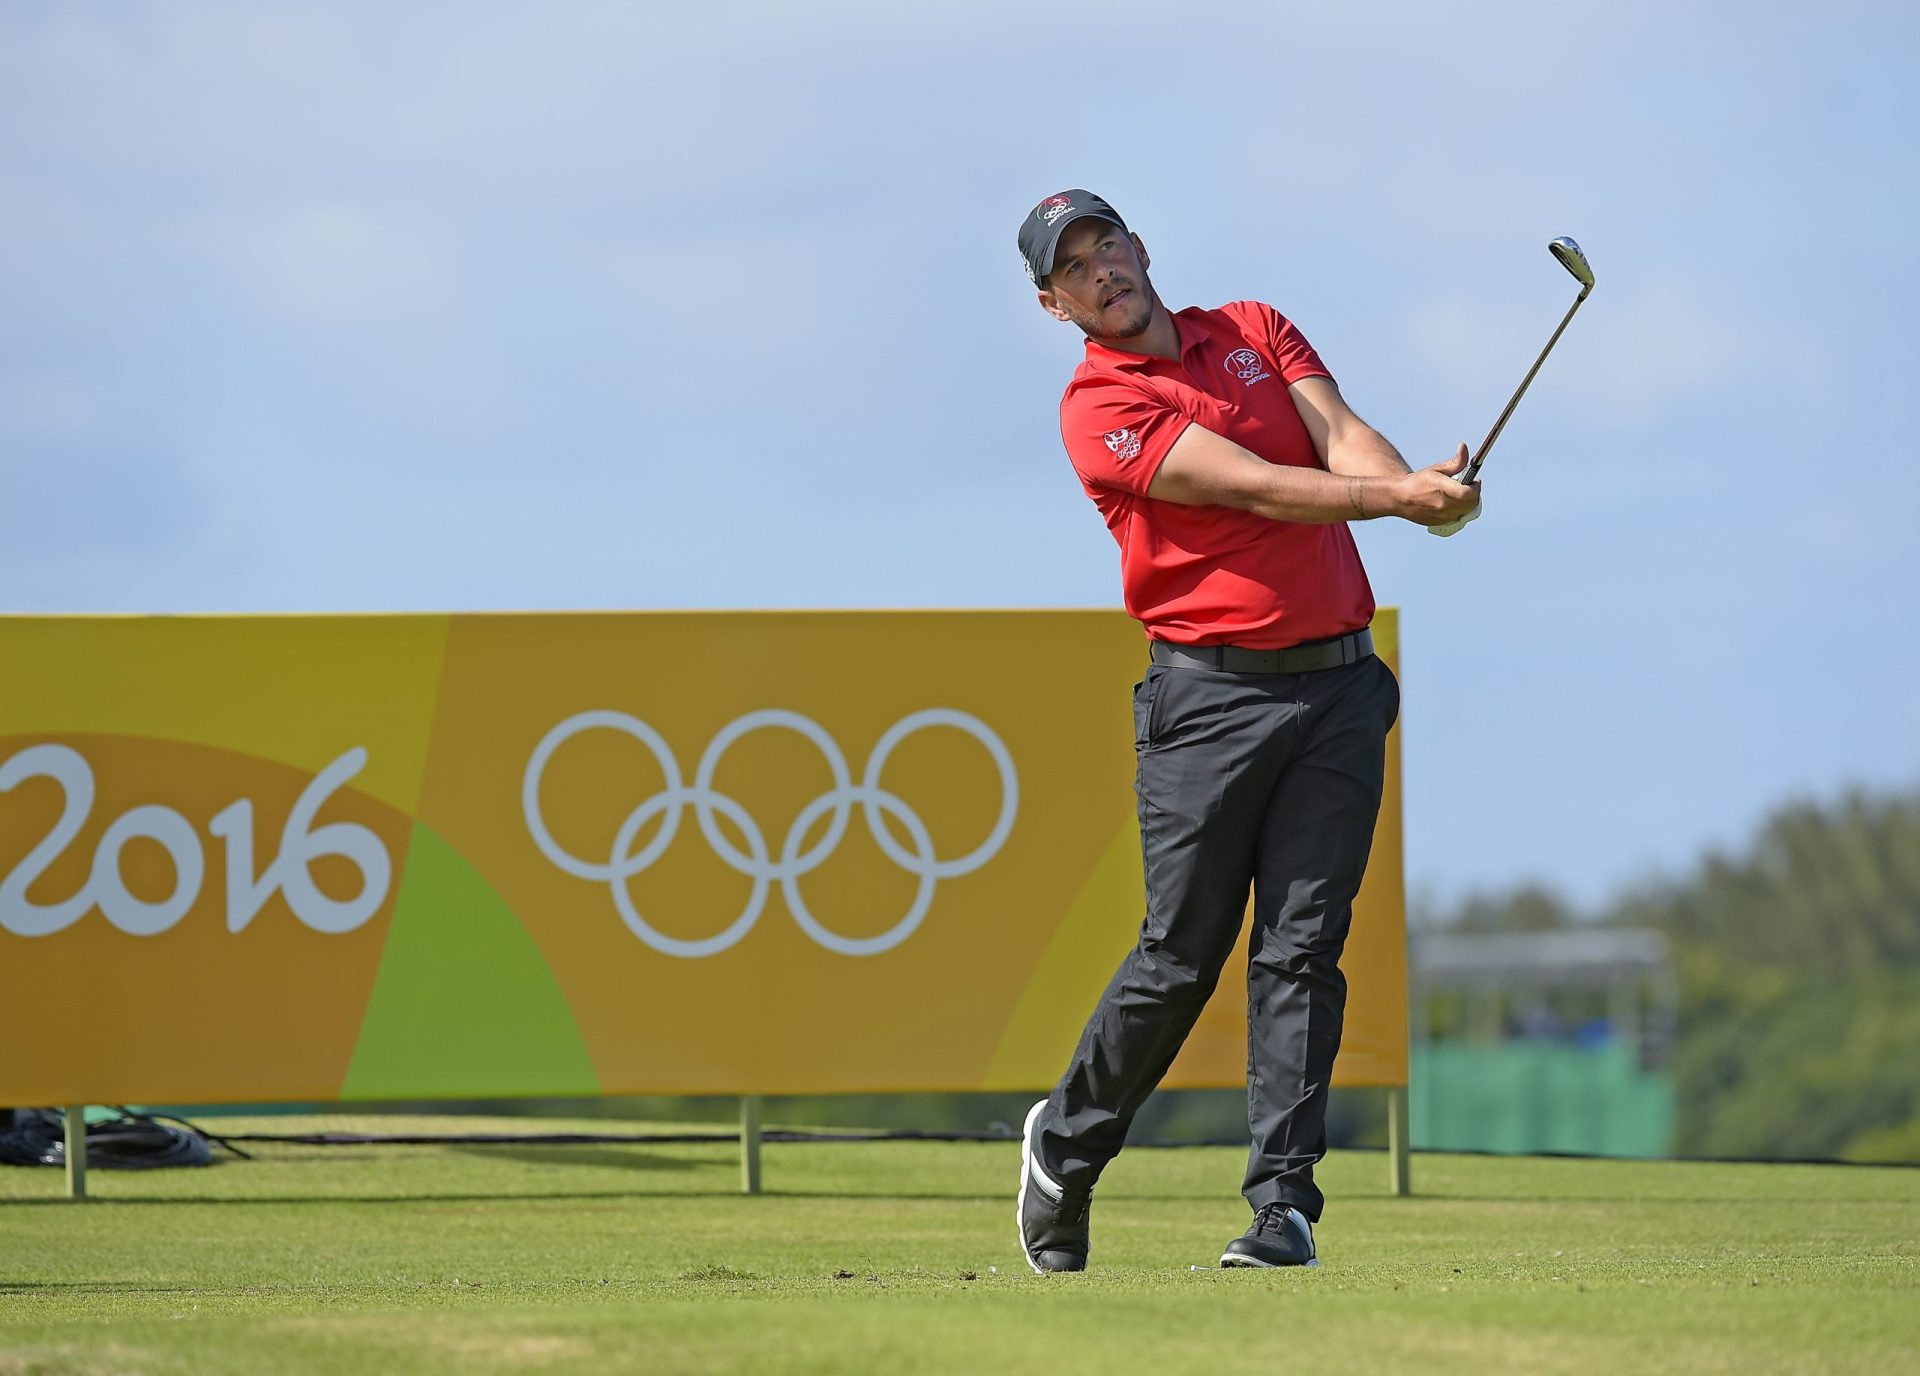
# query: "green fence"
[[1539, 1096]]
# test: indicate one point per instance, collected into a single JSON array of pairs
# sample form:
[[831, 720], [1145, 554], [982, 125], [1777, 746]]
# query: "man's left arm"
[[1346, 444]]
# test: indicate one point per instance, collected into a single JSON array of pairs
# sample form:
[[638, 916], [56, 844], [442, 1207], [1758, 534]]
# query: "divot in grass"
[[709, 1273]]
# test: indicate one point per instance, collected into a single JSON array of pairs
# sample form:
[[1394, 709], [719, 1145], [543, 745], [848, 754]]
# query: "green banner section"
[[464, 1004]]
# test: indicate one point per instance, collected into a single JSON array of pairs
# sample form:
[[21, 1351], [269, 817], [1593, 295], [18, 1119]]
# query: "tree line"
[[1799, 963]]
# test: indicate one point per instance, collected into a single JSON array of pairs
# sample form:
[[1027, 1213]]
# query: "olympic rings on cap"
[[757, 862]]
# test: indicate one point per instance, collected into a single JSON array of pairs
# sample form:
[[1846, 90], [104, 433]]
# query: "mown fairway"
[[901, 1257]]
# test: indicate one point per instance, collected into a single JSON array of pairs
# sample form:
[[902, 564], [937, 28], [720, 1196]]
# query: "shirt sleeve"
[[1117, 435], [1287, 346]]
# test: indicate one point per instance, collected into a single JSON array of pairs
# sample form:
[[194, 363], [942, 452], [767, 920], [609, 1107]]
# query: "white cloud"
[[330, 265], [1634, 353]]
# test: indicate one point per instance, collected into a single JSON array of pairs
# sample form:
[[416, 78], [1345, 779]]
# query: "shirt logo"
[[1053, 208], [1124, 443], [1247, 365]]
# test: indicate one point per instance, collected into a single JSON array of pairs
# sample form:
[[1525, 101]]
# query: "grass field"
[[902, 1257]]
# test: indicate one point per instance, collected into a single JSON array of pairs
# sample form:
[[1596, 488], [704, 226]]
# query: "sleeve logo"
[[1123, 443]]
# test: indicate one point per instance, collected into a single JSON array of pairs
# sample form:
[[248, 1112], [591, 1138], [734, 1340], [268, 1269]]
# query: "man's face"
[[1099, 281]]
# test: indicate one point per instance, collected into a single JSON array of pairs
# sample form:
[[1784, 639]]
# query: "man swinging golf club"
[[1226, 464]]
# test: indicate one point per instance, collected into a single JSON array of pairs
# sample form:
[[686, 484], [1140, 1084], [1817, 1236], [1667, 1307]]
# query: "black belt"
[[1294, 659]]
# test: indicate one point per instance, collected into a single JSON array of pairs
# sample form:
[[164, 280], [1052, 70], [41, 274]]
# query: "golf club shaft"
[[1473, 468]]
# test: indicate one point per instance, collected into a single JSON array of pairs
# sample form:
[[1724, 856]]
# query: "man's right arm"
[[1205, 469]]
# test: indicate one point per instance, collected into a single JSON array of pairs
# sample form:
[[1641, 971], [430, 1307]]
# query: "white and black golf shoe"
[[1280, 1236], [1053, 1218]]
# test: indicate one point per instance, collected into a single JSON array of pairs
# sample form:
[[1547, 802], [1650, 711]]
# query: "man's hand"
[[1455, 527], [1434, 496]]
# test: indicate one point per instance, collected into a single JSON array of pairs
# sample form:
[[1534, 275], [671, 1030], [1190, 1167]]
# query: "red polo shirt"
[[1212, 575]]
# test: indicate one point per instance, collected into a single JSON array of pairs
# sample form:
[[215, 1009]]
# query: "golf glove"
[[1454, 527]]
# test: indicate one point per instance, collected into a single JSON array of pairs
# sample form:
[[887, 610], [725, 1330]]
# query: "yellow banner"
[[337, 858]]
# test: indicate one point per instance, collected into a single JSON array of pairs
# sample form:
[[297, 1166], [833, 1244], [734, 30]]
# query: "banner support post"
[[76, 1116], [1399, 1141], [749, 1144]]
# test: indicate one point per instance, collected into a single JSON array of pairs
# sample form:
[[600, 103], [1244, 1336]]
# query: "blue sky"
[[371, 307]]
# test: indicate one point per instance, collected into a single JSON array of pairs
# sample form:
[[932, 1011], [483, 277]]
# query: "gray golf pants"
[[1268, 781]]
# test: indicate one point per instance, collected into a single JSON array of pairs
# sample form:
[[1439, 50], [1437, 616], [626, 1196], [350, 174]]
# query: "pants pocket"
[[1390, 690], [1146, 696]]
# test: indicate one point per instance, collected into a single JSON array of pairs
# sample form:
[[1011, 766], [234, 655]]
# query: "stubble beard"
[[1135, 317]]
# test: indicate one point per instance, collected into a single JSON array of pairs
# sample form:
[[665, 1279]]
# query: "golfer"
[[1226, 464]]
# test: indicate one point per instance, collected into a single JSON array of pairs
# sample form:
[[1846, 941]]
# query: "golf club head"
[[1573, 260]]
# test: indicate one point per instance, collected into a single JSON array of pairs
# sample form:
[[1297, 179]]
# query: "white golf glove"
[[1454, 527]]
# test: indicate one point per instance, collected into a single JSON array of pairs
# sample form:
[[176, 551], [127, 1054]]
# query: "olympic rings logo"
[[757, 861]]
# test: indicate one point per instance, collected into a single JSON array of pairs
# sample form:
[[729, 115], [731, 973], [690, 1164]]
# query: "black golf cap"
[[1040, 232]]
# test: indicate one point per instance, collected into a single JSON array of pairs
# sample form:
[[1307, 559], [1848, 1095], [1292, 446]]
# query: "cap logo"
[[1124, 443], [1247, 365], [1053, 208]]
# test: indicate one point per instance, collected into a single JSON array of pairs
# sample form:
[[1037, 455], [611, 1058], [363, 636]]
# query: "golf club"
[[1568, 253], [1574, 261]]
